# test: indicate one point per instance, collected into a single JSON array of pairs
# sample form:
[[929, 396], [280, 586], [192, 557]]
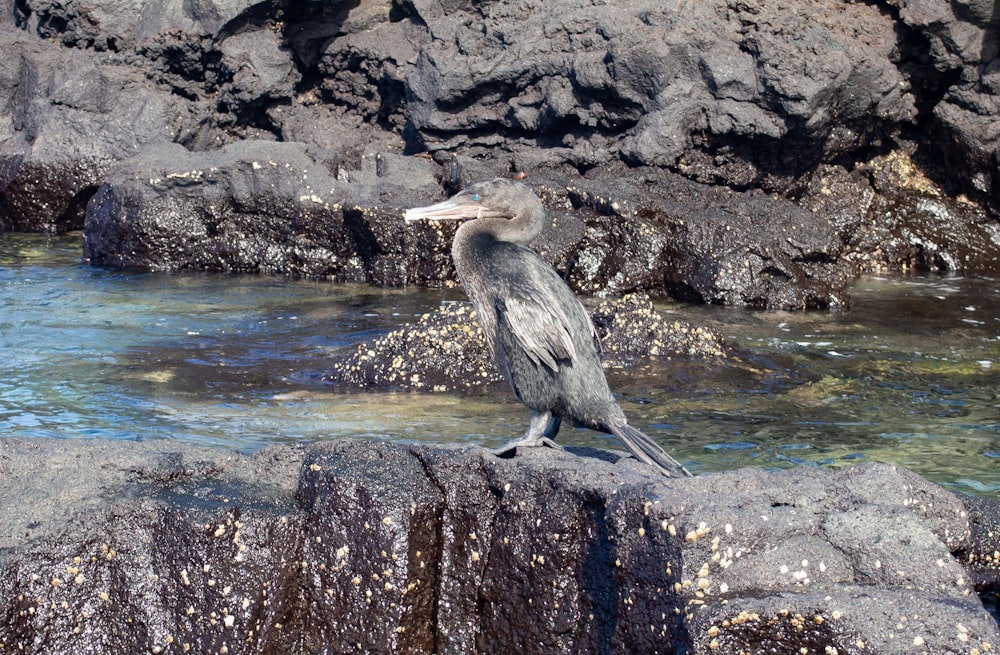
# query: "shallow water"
[[908, 375]]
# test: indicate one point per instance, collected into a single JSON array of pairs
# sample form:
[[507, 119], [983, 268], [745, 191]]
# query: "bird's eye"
[[476, 197]]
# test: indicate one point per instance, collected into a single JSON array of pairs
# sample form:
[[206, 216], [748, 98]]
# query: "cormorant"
[[543, 340]]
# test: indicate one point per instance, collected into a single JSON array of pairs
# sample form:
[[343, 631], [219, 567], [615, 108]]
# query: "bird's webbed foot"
[[510, 448], [541, 433]]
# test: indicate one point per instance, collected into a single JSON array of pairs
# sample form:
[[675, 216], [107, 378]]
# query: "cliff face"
[[749, 153], [160, 547]]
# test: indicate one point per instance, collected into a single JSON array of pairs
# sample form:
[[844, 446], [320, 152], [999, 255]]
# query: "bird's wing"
[[539, 327]]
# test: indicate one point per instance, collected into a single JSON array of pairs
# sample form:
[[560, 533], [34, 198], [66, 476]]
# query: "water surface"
[[907, 375]]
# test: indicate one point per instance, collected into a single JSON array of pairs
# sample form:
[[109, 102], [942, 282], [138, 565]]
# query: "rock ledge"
[[350, 546]]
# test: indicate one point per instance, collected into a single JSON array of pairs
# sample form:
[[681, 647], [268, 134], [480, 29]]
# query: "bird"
[[542, 338]]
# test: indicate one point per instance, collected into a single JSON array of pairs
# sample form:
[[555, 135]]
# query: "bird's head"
[[497, 202]]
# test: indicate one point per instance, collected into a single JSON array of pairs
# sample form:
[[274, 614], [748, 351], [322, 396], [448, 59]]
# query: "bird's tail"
[[646, 450]]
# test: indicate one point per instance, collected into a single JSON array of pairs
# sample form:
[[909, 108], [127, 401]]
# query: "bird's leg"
[[542, 428]]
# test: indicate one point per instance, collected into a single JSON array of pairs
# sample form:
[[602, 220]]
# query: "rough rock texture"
[[740, 152], [445, 350], [66, 118], [653, 77], [123, 547], [256, 206]]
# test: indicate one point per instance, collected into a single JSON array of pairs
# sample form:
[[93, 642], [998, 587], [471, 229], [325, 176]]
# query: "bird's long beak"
[[449, 210]]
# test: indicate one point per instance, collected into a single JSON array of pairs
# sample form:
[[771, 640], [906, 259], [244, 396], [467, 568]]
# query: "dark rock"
[[958, 44], [781, 114], [966, 121], [934, 233], [347, 546], [741, 94], [653, 80], [365, 71], [251, 207], [713, 245], [983, 556], [259, 68], [68, 119], [445, 350], [122, 26], [908, 223], [255, 206], [615, 230]]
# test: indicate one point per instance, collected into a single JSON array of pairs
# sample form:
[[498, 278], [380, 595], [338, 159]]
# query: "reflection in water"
[[908, 375]]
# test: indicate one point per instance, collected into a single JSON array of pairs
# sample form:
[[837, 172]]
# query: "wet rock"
[[346, 546], [901, 220], [915, 226], [710, 244], [254, 206], [257, 206], [934, 234], [630, 329], [250, 207], [445, 350], [983, 556]]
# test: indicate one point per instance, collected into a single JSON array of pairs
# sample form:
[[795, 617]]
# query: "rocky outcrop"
[[252, 206], [743, 153], [445, 350], [351, 546], [65, 118]]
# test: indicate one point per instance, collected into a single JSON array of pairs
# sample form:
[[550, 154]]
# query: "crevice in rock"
[[929, 84], [598, 581], [269, 12], [437, 559], [73, 217], [364, 242]]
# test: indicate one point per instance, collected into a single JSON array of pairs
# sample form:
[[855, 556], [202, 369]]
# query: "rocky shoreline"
[[745, 153], [353, 546]]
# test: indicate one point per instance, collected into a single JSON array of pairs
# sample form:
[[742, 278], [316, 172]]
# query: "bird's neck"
[[477, 241], [521, 229], [471, 247]]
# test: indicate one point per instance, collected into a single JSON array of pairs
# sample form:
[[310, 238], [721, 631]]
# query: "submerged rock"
[[115, 547], [445, 350]]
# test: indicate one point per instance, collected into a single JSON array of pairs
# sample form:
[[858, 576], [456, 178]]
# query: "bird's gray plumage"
[[542, 338]]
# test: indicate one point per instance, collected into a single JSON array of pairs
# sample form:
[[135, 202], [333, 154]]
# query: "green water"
[[908, 375]]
